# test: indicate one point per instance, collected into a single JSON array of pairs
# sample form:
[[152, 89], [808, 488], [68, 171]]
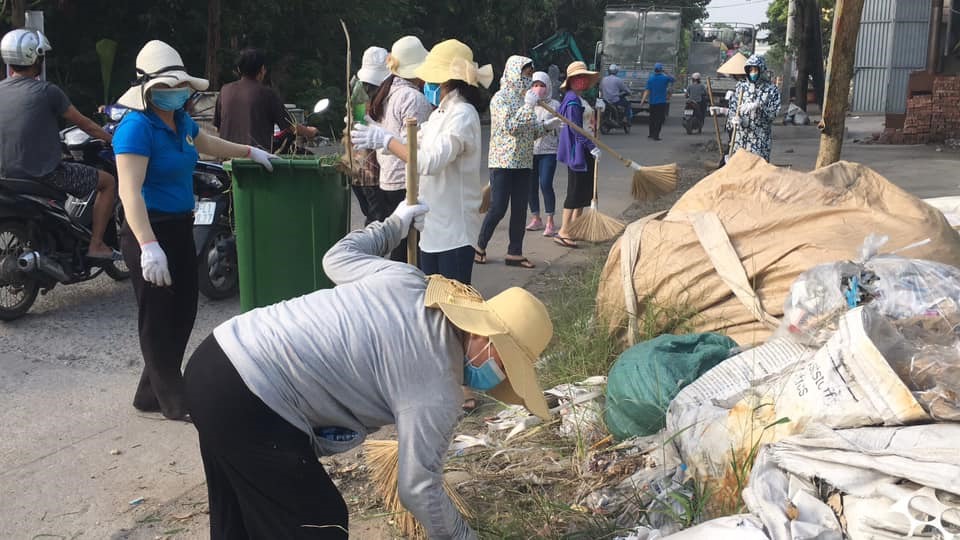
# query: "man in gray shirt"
[[30, 134], [698, 92], [614, 91], [273, 388]]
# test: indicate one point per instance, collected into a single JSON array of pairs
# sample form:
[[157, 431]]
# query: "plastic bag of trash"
[[897, 287], [648, 375], [929, 364]]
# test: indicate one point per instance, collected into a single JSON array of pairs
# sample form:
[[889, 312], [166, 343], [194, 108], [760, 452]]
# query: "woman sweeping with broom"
[[273, 388]]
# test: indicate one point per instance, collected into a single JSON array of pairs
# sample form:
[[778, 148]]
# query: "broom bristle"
[[485, 199], [383, 459], [649, 183], [595, 227]]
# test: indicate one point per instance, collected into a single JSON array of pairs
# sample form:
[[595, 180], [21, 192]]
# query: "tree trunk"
[[789, 45], [816, 53], [803, 56], [18, 16], [843, 47], [213, 43]]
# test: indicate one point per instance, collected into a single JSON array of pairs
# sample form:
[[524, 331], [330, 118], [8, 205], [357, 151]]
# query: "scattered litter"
[[136, 501], [461, 443], [115, 452], [580, 407]]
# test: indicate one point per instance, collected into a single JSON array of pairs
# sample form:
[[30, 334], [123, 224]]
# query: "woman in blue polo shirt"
[[157, 146]]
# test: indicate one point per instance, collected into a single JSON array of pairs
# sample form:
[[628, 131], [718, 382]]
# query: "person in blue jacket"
[[157, 146], [658, 90]]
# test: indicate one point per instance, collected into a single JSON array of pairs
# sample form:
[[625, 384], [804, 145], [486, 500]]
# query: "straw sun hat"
[[158, 63], [579, 69], [405, 57], [516, 323], [453, 60]]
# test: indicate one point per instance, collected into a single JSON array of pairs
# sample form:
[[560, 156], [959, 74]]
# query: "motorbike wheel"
[[18, 291], [626, 127], [688, 125], [117, 270], [227, 282], [604, 128]]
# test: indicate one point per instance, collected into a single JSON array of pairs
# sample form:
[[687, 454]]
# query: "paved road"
[[68, 369]]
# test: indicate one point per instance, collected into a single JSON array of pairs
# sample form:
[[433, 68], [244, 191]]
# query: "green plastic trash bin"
[[285, 223]]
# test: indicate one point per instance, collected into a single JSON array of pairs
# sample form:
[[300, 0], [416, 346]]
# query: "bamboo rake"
[[413, 185]]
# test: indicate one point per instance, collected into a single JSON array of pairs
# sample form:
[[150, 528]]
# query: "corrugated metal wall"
[[892, 44]]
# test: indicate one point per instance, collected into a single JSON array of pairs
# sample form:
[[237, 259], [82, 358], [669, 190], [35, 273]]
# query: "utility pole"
[[18, 12], [788, 45], [843, 50]]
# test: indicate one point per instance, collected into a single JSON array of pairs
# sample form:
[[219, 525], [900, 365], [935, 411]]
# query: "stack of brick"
[[945, 123], [930, 117]]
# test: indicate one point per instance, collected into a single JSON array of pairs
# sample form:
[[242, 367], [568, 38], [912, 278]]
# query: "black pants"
[[263, 477], [389, 201], [658, 114], [580, 186], [454, 264], [166, 314], [369, 199], [509, 187]]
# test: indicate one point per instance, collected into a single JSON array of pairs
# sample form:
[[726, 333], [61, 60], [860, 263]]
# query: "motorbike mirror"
[[321, 106]]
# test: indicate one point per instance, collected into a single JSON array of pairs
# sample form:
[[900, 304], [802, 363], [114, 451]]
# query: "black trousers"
[[658, 114], [580, 186], [368, 197], [455, 263], [388, 203], [509, 187], [166, 314], [263, 478]]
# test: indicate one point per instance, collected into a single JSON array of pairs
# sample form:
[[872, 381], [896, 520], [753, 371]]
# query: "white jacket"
[[448, 159]]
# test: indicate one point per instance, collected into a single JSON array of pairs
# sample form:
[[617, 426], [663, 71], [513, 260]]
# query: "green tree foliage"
[[777, 25]]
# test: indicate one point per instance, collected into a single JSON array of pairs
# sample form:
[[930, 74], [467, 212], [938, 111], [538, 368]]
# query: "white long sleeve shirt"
[[448, 159]]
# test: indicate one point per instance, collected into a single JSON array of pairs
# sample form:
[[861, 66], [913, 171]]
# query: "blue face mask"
[[169, 99], [482, 378], [754, 76], [432, 91]]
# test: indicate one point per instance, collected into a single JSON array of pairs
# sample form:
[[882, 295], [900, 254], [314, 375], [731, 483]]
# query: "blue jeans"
[[509, 187], [624, 104], [544, 166], [454, 264]]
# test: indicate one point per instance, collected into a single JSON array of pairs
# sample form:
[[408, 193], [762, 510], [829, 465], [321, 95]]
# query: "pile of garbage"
[[839, 422]]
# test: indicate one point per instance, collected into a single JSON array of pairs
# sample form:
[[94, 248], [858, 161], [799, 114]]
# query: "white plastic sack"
[[739, 527], [846, 383]]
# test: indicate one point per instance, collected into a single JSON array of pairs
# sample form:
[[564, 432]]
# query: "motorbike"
[[692, 117], [45, 233], [615, 117]]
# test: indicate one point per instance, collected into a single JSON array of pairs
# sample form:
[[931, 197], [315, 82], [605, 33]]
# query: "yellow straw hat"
[[576, 69], [517, 324], [453, 60]]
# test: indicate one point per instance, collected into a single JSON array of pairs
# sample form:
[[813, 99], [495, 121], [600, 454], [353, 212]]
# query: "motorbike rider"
[[614, 90], [30, 134], [697, 93]]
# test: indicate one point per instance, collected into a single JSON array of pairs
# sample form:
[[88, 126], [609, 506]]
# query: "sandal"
[[479, 257], [565, 242], [522, 263]]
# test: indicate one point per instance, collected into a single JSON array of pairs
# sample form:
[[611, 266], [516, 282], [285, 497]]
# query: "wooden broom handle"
[[716, 121], [413, 185], [586, 134]]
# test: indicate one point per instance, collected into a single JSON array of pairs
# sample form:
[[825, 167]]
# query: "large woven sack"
[[730, 248]]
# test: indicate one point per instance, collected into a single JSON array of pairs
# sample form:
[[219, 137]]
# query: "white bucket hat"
[[158, 63], [405, 57], [373, 69]]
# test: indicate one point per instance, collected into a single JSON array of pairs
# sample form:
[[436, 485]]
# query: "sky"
[[741, 11]]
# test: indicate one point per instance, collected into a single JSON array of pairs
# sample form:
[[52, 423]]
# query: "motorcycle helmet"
[[613, 69], [22, 47], [695, 76]]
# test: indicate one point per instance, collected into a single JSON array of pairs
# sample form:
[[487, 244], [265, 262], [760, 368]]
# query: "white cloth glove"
[[411, 215], [153, 262], [735, 121], [721, 111], [531, 98], [749, 107], [370, 137], [262, 157], [601, 105], [552, 123], [596, 153]]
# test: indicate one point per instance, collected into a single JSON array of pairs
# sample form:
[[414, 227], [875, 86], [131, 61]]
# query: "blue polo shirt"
[[657, 84], [168, 185]]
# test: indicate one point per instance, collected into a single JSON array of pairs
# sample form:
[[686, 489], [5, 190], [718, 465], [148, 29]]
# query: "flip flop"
[[479, 257], [565, 242], [522, 263]]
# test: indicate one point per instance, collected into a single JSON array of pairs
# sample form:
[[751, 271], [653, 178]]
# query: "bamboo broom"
[[413, 185], [383, 459], [593, 226], [716, 125], [648, 182]]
